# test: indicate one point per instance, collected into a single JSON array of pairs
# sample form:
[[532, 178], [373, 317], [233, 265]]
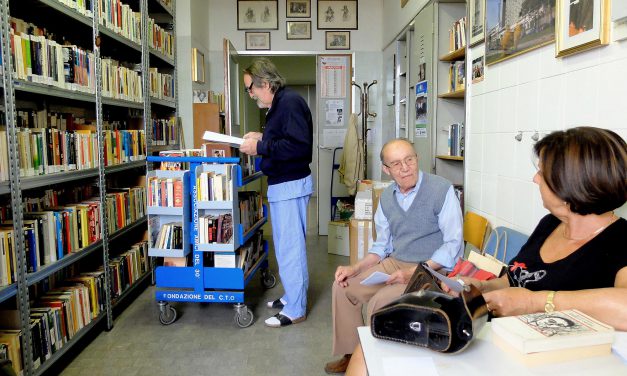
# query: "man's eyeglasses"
[[249, 88], [397, 165]]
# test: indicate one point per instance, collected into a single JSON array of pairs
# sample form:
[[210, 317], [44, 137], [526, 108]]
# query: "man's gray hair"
[[262, 69], [391, 142]]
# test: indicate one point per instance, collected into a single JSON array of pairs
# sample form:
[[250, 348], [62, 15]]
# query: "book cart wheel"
[[243, 316], [167, 313], [268, 279]]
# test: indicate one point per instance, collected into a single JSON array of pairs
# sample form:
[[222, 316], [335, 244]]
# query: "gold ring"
[[488, 307]]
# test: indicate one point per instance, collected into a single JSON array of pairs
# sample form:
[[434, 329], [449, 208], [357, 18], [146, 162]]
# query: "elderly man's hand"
[[400, 276], [249, 146], [255, 135], [343, 273]]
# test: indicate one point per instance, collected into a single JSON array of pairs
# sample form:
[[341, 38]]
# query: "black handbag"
[[431, 318]]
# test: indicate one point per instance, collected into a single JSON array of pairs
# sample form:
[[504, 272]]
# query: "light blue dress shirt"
[[450, 221]]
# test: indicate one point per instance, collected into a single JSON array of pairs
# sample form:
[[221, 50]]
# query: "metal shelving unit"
[[123, 49]]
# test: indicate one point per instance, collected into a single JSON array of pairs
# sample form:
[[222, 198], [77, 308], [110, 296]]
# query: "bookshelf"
[[104, 132]]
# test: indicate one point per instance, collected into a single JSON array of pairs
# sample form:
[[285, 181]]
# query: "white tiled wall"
[[534, 92]]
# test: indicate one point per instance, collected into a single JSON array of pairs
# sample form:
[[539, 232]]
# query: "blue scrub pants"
[[289, 229]]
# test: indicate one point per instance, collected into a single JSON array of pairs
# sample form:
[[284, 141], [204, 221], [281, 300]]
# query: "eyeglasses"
[[249, 88], [408, 161]]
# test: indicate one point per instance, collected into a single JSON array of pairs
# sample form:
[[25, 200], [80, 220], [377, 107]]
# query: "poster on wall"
[[333, 77], [334, 112], [421, 110], [333, 138]]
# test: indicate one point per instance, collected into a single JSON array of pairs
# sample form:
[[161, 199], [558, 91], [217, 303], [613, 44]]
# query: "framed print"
[[335, 14], [512, 29], [198, 66], [257, 40], [477, 21], [298, 8], [298, 29], [257, 15], [581, 25], [477, 69], [338, 40]]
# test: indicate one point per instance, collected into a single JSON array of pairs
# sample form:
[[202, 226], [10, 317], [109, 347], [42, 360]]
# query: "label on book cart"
[[193, 296]]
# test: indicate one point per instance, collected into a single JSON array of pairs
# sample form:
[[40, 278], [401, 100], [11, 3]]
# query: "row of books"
[[43, 118], [121, 82], [165, 131], [456, 139], [128, 267], [124, 206], [456, 76], [216, 97], [457, 34], [4, 155], [123, 146], [161, 85], [160, 39], [215, 228], [112, 14], [178, 166], [212, 186], [165, 192], [250, 208], [169, 236], [35, 200]]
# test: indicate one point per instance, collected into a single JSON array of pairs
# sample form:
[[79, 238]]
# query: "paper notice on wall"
[[333, 138], [421, 109], [334, 112], [333, 77]]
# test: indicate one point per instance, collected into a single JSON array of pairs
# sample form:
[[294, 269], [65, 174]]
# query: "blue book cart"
[[200, 283]]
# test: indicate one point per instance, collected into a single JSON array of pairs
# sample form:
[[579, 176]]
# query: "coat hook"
[[518, 137], [535, 136]]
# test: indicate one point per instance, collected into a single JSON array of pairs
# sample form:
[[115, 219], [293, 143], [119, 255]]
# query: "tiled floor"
[[205, 340]]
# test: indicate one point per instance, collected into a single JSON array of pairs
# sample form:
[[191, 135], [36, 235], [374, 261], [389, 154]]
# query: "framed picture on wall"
[[581, 25], [257, 40], [257, 15], [511, 30], [477, 69], [298, 29], [477, 21], [298, 8], [198, 66], [337, 14], [338, 40]]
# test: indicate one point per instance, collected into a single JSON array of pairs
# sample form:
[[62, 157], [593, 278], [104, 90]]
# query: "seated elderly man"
[[418, 219]]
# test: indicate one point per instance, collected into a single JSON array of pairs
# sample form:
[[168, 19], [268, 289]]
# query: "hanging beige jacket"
[[352, 162]]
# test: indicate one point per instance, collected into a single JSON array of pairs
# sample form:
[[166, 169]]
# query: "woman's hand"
[[400, 276], [342, 273], [513, 301], [254, 135], [467, 281]]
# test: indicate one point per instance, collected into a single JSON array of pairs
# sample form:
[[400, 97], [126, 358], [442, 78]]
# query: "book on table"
[[541, 338]]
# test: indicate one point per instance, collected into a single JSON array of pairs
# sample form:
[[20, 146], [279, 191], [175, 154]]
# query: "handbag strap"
[[504, 238], [494, 233]]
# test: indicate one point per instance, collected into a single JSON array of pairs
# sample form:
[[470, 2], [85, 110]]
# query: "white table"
[[481, 358]]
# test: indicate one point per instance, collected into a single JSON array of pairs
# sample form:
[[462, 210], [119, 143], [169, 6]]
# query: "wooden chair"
[[475, 228]]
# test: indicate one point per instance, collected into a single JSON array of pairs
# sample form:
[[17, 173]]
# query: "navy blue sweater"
[[287, 142]]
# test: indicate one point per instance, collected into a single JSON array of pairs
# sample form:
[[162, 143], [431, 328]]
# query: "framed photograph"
[[298, 29], [338, 40], [337, 14], [198, 66], [477, 21], [257, 15], [298, 8], [257, 40], [477, 69], [511, 29], [581, 25]]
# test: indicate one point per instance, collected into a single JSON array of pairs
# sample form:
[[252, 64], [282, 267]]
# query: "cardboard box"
[[363, 205], [338, 239], [360, 239], [364, 185]]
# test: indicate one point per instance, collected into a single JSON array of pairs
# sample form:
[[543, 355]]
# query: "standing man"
[[418, 219], [286, 149]]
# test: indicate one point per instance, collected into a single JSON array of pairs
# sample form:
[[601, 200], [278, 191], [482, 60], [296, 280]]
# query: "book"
[[222, 138], [541, 338]]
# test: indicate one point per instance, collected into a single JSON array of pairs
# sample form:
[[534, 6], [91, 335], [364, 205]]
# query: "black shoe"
[[275, 304]]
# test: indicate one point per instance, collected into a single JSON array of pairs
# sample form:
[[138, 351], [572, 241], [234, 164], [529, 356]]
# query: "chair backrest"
[[509, 243], [475, 227]]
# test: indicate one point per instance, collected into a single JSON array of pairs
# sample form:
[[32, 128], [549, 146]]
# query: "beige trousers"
[[348, 302]]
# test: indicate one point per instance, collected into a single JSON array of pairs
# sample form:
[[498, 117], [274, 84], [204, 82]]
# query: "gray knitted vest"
[[415, 232]]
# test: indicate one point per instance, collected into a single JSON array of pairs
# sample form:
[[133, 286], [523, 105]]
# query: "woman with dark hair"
[[575, 258]]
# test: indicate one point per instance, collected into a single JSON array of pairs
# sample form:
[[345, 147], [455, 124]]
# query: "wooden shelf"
[[454, 94], [454, 55], [450, 157]]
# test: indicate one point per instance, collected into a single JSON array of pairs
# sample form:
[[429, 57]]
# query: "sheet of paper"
[[451, 283], [332, 138], [222, 138], [375, 279], [405, 365]]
